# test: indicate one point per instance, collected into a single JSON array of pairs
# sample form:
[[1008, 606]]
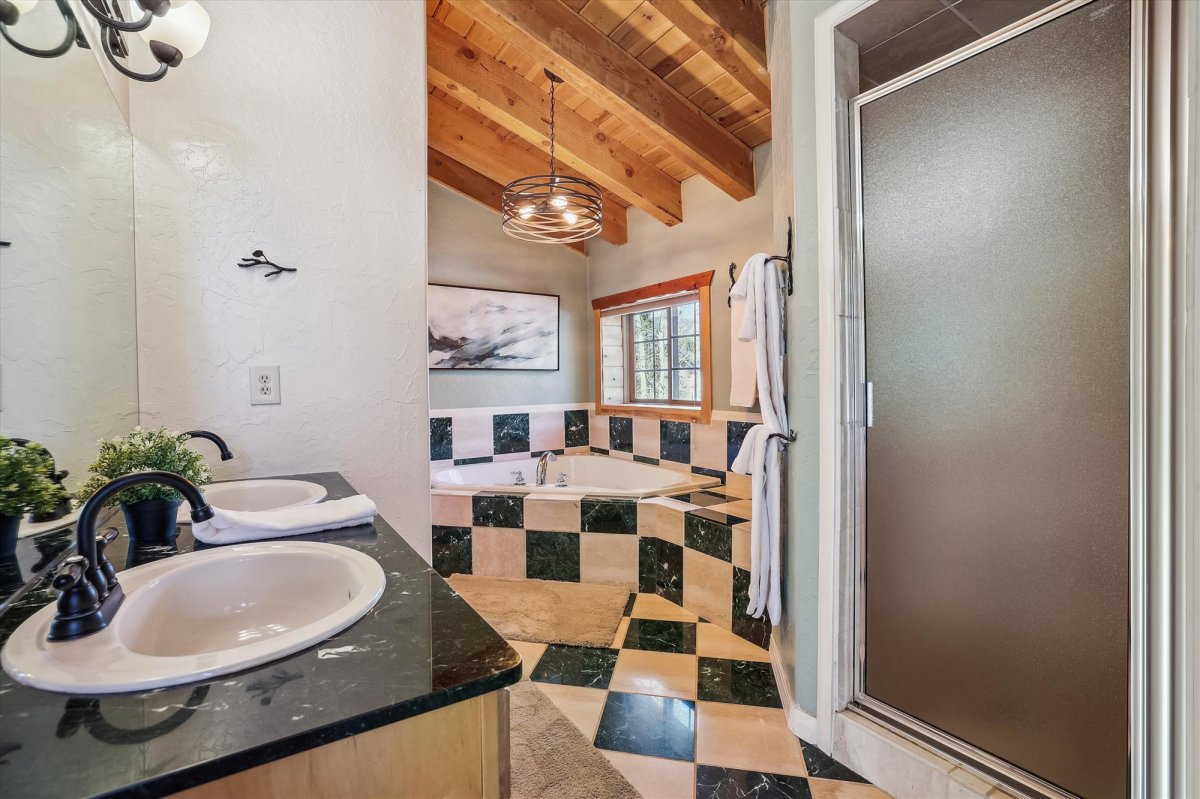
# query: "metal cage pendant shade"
[[553, 208]]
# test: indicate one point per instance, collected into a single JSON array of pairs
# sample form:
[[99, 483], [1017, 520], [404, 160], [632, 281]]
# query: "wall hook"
[[259, 259]]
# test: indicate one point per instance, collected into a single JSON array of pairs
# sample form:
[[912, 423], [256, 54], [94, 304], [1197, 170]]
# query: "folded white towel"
[[743, 378], [237, 526]]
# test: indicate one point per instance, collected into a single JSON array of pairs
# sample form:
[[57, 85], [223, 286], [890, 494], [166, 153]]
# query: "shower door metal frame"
[[852, 412]]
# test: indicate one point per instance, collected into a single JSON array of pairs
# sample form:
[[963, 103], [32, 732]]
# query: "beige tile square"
[[497, 552], [582, 706], [709, 447], [670, 525], [645, 437], [597, 430], [647, 519], [547, 430], [717, 642], [708, 587], [656, 777], [622, 629], [741, 545], [608, 558], [552, 514], [737, 485], [651, 606], [657, 673], [747, 737], [472, 435], [837, 789], [529, 652], [451, 510]]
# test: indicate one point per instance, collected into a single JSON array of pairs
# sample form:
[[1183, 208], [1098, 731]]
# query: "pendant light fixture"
[[553, 208]]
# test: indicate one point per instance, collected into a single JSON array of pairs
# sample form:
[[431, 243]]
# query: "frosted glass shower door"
[[996, 262]]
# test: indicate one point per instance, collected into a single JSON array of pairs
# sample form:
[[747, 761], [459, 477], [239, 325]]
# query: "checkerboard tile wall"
[[685, 709]]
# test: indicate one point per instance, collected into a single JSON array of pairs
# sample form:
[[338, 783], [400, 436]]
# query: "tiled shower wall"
[[693, 548]]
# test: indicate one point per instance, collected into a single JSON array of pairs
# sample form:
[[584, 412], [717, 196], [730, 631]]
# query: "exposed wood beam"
[[494, 155], [482, 83], [569, 45], [744, 20], [724, 48], [474, 186]]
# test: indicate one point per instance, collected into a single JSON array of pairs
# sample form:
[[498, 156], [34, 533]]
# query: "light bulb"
[[184, 27], [525, 212], [24, 6], [558, 201], [570, 217]]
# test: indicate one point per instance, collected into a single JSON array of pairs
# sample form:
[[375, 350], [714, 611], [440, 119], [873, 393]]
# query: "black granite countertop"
[[422, 647]]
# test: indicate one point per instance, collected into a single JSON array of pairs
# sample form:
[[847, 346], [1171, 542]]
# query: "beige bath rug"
[[545, 611], [551, 758]]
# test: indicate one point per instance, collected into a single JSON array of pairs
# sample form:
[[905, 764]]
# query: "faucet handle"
[[103, 564], [520, 481], [562, 480], [77, 594]]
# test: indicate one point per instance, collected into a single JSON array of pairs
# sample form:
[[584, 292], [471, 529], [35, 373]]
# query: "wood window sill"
[[695, 414]]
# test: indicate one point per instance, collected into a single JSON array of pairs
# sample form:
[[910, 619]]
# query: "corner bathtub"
[[586, 474]]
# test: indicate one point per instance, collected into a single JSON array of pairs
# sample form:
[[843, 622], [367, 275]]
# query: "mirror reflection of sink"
[[203, 614], [258, 495]]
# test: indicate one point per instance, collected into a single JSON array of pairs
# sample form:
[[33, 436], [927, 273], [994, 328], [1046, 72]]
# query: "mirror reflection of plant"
[[25, 484], [145, 450]]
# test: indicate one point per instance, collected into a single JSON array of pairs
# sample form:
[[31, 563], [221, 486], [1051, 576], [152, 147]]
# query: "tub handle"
[[562, 480], [520, 481]]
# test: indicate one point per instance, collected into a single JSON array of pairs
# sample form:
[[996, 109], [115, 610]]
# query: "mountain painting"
[[487, 329]]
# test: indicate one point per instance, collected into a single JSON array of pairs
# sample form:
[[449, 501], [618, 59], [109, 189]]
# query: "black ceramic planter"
[[151, 520], [9, 525]]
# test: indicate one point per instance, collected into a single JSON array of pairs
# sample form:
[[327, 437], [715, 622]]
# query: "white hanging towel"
[[743, 383], [238, 526], [762, 325]]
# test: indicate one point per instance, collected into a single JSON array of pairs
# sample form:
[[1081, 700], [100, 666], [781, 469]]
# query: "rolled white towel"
[[237, 526]]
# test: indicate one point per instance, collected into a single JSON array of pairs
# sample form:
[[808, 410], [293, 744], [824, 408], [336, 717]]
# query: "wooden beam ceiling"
[[725, 48], [610, 76], [744, 20], [468, 74], [493, 154], [474, 186]]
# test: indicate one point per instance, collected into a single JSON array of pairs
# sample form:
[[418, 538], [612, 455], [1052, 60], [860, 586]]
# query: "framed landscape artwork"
[[473, 328]]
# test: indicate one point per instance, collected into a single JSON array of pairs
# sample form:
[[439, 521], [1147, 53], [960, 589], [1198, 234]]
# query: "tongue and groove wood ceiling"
[[656, 91]]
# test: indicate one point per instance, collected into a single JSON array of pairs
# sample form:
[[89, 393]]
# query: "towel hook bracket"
[[787, 438], [784, 259]]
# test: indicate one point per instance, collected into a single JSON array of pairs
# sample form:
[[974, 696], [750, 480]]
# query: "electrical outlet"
[[264, 385]]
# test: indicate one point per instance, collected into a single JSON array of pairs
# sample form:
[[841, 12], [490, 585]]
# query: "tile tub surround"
[[421, 648], [692, 549]]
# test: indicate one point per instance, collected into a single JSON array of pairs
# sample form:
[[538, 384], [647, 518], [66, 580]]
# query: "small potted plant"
[[25, 487], [150, 510]]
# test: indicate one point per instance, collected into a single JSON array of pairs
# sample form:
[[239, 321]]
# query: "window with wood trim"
[[653, 351]]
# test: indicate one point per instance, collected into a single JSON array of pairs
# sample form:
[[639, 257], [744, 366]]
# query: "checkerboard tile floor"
[[686, 710]]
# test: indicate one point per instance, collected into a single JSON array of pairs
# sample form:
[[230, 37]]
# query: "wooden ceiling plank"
[[694, 74], [643, 28], [671, 50], [571, 47], [606, 15], [474, 186], [484, 85], [459, 21], [480, 148], [724, 48], [744, 20]]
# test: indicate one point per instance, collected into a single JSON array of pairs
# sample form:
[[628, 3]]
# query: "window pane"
[[685, 352], [641, 385], [662, 354], [685, 319], [643, 356], [661, 330], [643, 326], [685, 385], [661, 380]]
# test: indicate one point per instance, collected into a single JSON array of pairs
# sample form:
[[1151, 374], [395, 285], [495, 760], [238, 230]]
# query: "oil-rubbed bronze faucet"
[[214, 438], [89, 594]]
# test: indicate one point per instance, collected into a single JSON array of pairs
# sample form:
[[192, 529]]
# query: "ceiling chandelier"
[[553, 208]]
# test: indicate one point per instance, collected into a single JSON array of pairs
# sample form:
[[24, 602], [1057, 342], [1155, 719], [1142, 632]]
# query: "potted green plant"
[[150, 510], [25, 487]]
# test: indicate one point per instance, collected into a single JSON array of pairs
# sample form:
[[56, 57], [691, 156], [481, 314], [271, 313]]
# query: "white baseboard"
[[803, 725]]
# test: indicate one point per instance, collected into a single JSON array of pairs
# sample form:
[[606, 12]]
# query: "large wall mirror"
[[68, 339]]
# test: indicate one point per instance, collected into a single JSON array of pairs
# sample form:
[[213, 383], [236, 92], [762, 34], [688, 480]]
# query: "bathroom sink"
[[258, 495], [203, 614]]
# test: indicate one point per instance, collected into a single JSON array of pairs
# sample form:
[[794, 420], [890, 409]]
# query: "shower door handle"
[[869, 393]]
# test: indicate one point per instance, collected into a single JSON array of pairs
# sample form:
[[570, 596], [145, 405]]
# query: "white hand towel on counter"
[[239, 526], [743, 385], [762, 326]]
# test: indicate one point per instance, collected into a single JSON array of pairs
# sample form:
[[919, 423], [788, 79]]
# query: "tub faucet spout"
[[547, 458]]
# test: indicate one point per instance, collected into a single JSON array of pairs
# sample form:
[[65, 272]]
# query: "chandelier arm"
[[106, 45], [51, 52], [117, 23]]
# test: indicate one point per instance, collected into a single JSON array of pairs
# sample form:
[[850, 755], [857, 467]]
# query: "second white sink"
[[258, 495]]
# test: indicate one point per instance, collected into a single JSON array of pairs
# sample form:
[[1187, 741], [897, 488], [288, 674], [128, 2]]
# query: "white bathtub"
[[586, 474]]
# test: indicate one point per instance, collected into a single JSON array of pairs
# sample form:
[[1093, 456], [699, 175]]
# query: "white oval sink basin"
[[203, 614], [258, 495]]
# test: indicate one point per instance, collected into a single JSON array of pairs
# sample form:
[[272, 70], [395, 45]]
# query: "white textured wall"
[[716, 230], [68, 353], [299, 130], [467, 248]]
